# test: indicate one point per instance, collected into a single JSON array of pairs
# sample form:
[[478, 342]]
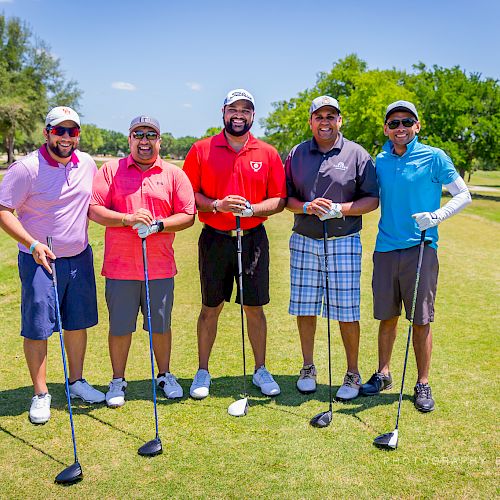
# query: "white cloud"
[[196, 87], [123, 85], [5, 1], [187, 105]]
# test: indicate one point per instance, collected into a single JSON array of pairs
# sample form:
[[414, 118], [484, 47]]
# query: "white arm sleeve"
[[461, 198]]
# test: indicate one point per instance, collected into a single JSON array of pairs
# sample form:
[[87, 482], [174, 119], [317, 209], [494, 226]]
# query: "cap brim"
[[400, 108], [144, 125], [57, 121]]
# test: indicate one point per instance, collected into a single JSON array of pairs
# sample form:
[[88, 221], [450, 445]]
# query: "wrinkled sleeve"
[[15, 186], [101, 188], [276, 187], [184, 196], [192, 168]]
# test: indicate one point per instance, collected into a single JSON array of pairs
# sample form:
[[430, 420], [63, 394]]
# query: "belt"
[[232, 232]]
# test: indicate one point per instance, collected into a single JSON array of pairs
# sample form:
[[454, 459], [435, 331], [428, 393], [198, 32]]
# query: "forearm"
[[269, 207], [13, 227], [360, 207], [460, 199], [177, 222], [295, 205], [107, 217]]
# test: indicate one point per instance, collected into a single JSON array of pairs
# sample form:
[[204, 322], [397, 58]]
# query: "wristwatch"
[[214, 206], [161, 226]]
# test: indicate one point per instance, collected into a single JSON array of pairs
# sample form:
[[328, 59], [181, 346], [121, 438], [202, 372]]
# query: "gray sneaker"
[[306, 384], [350, 388]]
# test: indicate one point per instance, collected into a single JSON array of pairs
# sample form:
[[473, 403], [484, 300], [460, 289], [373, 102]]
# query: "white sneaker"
[[115, 396], [350, 388], [83, 390], [263, 379], [307, 380], [40, 408], [170, 386], [201, 384]]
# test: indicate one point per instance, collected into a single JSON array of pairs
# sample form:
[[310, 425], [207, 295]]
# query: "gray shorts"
[[393, 283], [124, 297]]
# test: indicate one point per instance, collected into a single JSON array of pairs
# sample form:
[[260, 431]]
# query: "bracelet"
[[214, 206], [33, 245], [123, 220], [304, 208]]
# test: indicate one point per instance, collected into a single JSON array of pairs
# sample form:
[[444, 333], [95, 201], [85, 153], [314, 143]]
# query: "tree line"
[[459, 111]]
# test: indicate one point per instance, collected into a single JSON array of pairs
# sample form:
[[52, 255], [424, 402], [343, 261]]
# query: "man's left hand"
[[143, 230], [426, 220]]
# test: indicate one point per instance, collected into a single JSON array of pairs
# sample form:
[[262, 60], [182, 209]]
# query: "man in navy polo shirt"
[[328, 178], [410, 176]]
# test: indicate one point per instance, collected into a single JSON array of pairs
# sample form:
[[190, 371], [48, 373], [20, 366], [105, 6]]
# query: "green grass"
[[273, 452], [486, 178]]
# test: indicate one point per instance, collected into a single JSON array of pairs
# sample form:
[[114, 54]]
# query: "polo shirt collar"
[[130, 162], [388, 146], [220, 140], [313, 145], [53, 163]]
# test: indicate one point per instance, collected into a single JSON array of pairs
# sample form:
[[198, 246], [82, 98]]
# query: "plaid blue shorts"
[[307, 277]]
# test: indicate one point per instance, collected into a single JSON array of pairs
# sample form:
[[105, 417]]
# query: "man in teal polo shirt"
[[410, 176]]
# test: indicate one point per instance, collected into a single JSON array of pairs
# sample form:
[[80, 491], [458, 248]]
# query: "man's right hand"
[[141, 216], [42, 254]]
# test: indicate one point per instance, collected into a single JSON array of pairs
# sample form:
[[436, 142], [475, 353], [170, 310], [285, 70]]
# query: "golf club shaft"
[[325, 247], [150, 330], [240, 284], [412, 315], [61, 341]]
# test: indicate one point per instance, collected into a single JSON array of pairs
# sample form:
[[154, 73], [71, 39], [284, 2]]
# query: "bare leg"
[[119, 346], [162, 347], [207, 331], [350, 337], [422, 345], [307, 331], [257, 333], [386, 337], [35, 352], [75, 342]]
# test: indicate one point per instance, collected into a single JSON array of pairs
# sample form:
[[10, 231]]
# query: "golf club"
[[73, 473], [153, 447], [324, 419], [389, 441], [240, 408]]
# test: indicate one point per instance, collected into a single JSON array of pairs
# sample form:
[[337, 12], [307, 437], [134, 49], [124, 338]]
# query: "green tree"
[[167, 143], [113, 143], [91, 139], [31, 82], [211, 131]]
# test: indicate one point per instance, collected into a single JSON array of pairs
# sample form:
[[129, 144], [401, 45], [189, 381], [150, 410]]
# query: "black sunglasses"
[[150, 135], [60, 130], [407, 122]]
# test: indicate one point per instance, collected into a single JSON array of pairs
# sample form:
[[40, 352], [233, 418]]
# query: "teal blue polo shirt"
[[409, 184]]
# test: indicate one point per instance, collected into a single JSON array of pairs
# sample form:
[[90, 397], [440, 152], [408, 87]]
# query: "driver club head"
[[238, 408], [151, 448], [388, 441], [70, 475], [322, 419]]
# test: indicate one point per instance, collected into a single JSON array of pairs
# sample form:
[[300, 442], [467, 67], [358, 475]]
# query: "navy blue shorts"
[[76, 289]]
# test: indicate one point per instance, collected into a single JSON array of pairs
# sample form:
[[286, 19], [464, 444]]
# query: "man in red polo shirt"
[[234, 174], [140, 196]]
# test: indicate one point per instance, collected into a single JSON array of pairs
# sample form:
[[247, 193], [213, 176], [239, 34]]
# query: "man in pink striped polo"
[[141, 196], [50, 190]]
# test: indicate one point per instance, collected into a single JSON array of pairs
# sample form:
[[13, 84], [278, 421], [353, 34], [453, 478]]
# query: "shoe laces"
[[40, 400], [351, 379], [424, 390], [308, 371], [170, 379], [116, 385], [201, 377], [265, 376]]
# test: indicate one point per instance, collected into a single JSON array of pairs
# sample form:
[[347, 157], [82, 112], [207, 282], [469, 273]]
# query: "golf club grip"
[[52, 263]]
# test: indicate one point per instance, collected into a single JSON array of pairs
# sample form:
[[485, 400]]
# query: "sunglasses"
[[150, 135], [60, 130], [406, 122]]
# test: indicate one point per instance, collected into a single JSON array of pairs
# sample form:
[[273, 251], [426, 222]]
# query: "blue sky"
[[176, 60]]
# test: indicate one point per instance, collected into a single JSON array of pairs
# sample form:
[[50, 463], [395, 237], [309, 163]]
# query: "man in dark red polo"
[[234, 174]]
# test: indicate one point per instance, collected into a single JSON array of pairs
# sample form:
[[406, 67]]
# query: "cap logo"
[[256, 165], [326, 100], [66, 111]]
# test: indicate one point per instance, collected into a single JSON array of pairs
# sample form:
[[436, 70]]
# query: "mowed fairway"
[[272, 452]]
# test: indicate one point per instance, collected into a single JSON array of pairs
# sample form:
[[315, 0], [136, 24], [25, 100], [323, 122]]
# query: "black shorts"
[[218, 264]]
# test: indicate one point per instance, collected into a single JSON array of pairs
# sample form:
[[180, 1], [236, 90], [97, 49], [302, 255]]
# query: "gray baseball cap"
[[401, 106], [323, 100], [144, 121]]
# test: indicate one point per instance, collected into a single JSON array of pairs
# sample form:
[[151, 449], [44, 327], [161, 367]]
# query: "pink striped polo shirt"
[[51, 199], [164, 190]]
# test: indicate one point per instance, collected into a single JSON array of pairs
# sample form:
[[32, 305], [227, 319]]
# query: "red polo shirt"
[[216, 170], [164, 190]]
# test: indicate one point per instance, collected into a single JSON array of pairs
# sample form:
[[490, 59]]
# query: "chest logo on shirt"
[[256, 165], [340, 166]]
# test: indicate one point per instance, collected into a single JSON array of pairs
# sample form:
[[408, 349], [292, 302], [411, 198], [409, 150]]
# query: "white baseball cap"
[[60, 114], [238, 95]]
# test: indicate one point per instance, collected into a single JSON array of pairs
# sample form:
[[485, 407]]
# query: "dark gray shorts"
[[124, 297], [393, 283]]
